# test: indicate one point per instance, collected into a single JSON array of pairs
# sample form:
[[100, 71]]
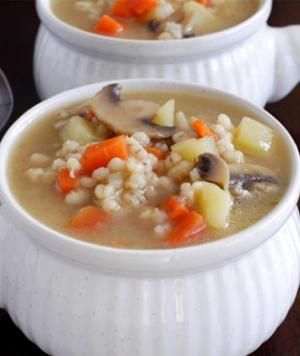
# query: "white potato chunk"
[[79, 130], [213, 203], [191, 148], [253, 137], [165, 114], [198, 17]]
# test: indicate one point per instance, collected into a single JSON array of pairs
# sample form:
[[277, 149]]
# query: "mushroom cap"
[[127, 116], [247, 175], [214, 169]]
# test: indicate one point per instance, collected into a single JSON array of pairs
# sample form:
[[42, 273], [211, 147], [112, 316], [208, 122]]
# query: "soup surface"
[[154, 19], [148, 170]]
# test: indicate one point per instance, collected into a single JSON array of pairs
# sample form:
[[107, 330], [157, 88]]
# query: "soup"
[[154, 19], [148, 170]]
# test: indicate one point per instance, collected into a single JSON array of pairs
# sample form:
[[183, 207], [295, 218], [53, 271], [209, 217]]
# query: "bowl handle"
[[287, 60]]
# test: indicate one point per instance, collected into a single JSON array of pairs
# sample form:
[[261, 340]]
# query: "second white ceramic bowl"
[[220, 298], [251, 59]]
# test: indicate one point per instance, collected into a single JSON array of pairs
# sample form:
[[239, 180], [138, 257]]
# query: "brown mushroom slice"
[[82, 110], [250, 176], [127, 116], [155, 25], [214, 169]]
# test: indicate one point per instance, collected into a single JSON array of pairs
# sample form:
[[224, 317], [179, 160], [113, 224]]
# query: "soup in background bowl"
[[249, 59], [154, 19], [61, 290]]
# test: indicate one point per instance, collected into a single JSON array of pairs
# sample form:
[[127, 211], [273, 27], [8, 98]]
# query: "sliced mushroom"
[[250, 176], [154, 25], [214, 169], [189, 35], [82, 110], [159, 25], [127, 116]]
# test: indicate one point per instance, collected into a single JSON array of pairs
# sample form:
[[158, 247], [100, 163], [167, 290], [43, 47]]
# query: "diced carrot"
[[122, 8], [204, 2], [65, 183], [174, 208], [89, 217], [100, 154], [141, 7], [191, 223], [155, 151], [90, 115], [201, 129], [108, 26]]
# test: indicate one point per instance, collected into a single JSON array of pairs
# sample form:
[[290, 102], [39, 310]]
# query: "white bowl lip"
[[168, 261], [156, 48]]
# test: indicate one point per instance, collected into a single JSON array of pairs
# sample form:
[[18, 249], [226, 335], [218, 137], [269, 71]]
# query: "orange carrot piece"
[[89, 217], [64, 182], [155, 152], [141, 7], [90, 115], [191, 223], [201, 129], [122, 8], [204, 2], [174, 208], [100, 154], [108, 26]]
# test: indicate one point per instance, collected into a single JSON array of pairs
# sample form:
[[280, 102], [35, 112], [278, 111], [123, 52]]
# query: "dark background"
[[18, 26]]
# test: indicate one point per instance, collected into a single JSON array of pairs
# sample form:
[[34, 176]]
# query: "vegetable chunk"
[[155, 152], [165, 114], [122, 8], [65, 183], [191, 224], [89, 217], [100, 154], [141, 7], [191, 148], [213, 203], [201, 129], [253, 137], [79, 130], [198, 16], [108, 26], [175, 209]]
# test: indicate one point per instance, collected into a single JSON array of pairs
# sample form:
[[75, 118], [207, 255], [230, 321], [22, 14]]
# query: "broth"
[[44, 203], [160, 23]]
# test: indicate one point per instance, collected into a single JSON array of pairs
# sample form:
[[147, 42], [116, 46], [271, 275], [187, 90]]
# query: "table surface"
[[18, 26]]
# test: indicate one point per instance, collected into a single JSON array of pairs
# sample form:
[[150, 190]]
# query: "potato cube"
[[197, 16], [191, 148], [213, 203], [165, 114], [253, 137], [79, 130]]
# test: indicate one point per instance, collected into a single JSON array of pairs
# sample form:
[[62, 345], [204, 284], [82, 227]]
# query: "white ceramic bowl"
[[221, 298], [251, 59]]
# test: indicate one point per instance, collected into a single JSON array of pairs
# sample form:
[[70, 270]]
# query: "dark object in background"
[[6, 100]]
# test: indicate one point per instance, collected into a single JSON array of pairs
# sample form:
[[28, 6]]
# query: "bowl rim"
[[162, 261], [150, 50]]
